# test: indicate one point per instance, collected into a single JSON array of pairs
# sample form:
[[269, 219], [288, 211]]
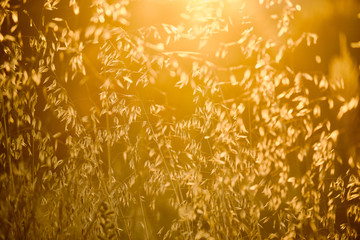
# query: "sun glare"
[[179, 119]]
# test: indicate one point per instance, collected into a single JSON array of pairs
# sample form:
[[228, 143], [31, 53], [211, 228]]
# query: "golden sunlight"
[[179, 119]]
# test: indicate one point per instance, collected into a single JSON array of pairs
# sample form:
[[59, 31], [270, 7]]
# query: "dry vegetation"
[[120, 124]]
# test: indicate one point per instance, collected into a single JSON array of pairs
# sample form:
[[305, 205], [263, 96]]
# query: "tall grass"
[[194, 127]]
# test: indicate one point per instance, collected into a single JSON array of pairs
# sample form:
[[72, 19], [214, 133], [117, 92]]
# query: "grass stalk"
[[8, 153], [108, 144]]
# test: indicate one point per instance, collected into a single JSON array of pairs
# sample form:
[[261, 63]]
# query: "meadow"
[[179, 119]]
